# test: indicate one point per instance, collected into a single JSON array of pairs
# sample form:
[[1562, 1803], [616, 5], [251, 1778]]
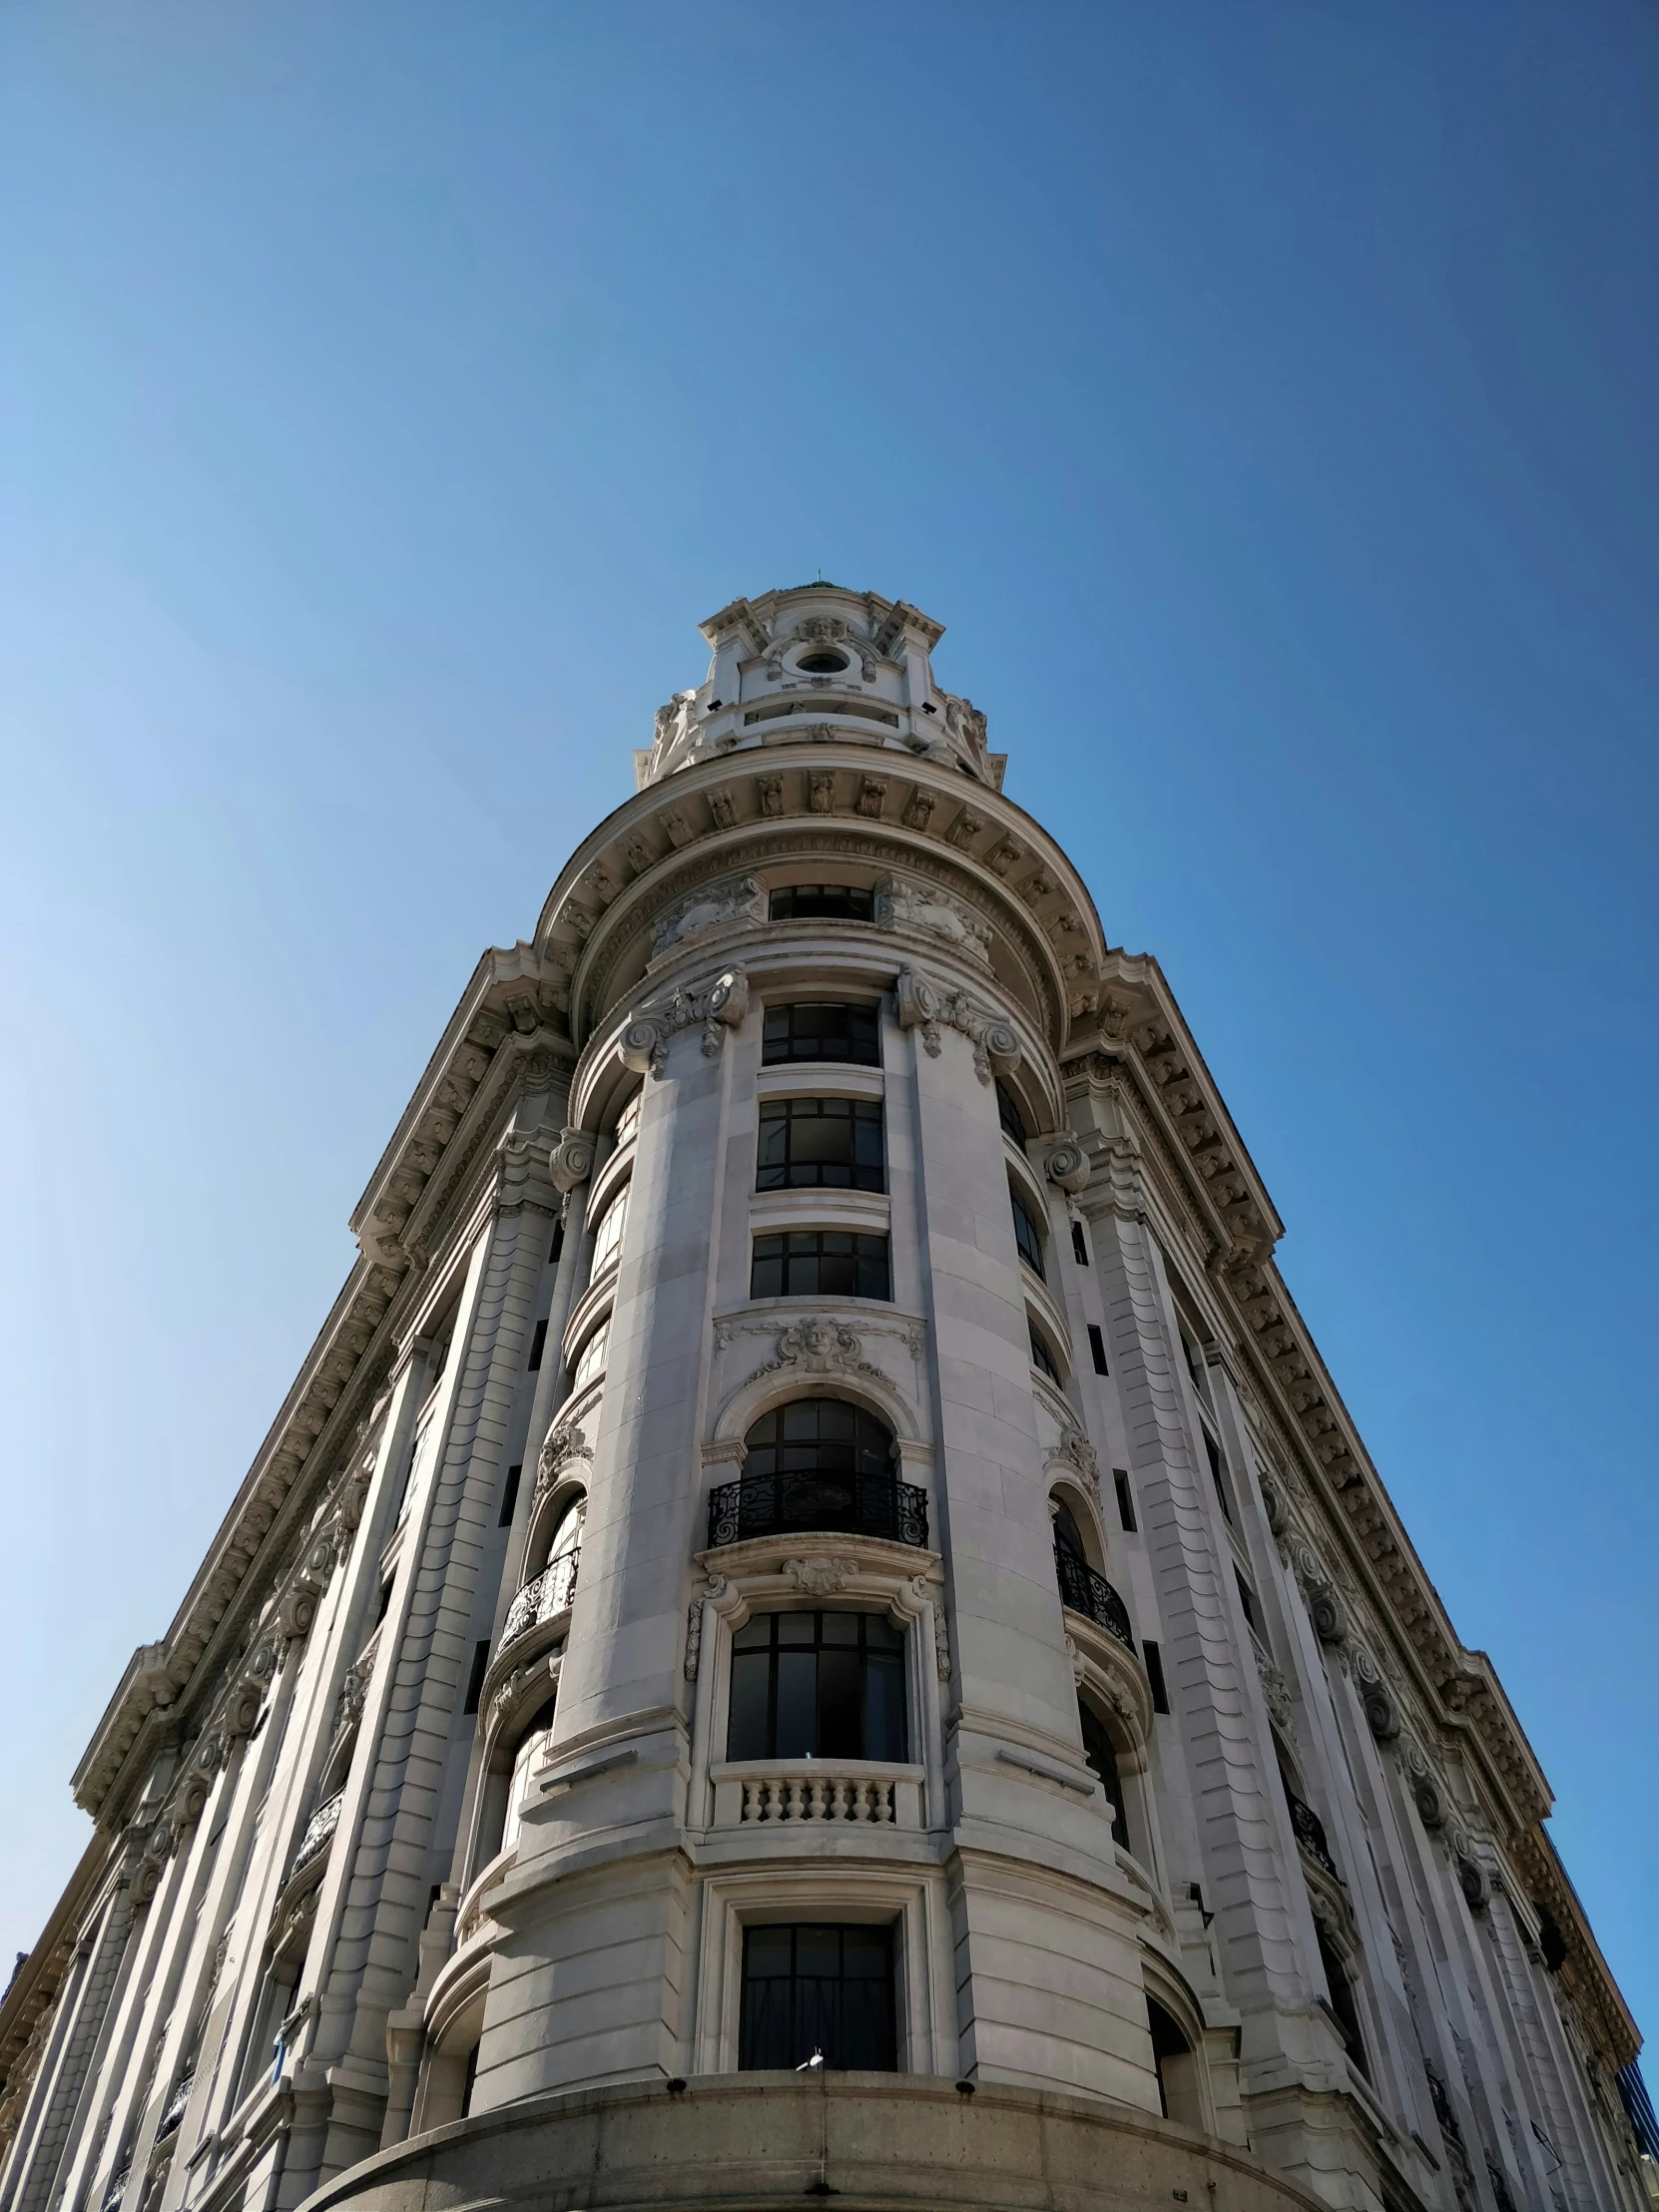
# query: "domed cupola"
[[815, 664]]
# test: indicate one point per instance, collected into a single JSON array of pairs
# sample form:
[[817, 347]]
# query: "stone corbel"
[[527, 1167], [718, 1005], [927, 1006], [1067, 1165]]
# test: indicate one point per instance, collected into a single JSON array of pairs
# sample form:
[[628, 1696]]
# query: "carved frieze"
[[903, 905], [740, 898]]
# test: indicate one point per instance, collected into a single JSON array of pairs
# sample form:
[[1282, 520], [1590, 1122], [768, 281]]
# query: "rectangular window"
[[823, 903], [1126, 1498], [590, 1364], [1079, 1250], [820, 1263], [509, 1496], [628, 1121], [1244, 1598], [816, 1031], [809, 1989], [557, 1246], [832, 1144], [1154, 1661], [475, 1681], [1214, 1453], [1025, 1234], [386, 1588], [538, 1343], [817, 1686], [1097, 1348]]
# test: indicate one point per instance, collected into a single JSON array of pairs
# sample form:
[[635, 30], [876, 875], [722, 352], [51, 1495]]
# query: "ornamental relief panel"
[[592, 985]]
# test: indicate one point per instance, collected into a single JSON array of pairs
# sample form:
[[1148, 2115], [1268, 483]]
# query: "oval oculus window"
[[823, 663]]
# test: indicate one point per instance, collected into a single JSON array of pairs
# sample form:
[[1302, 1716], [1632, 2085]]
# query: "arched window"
[[1068, 1537], [1172, 2054], [822, 1439], [567, 1537], [1101, 1753], [819, 1464], [528, 1750], [1341, 1997]]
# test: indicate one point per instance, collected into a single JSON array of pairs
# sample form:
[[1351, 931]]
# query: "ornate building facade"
[[813, 1623]]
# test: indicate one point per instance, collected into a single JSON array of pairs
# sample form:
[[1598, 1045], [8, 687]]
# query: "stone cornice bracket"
[[526, 1173], [569, 1163], [718, 1005], [927, 1006], [1123, 1185], [1067, 1165]]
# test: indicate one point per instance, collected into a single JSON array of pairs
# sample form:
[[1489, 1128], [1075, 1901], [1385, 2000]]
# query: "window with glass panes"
[[817, 1989], [1041, 1357], [1101, 1753], [607, 1237], [817, 1686], [817, 1030], [1009, 1113], [1025, 1234], [821, 1144], [823, 903], [820, 1263]]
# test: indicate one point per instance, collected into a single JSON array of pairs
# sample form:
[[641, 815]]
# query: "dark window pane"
[[820, 1142], [797, 1729], [820, 1685], [1025, 1235], [1041, 1357], [841, 1731], [766, 1275], [826, 902], [884, 1729], [1067, 1535], [1009, 1113], [830, 1991], [817, 1031], [1101, 1753], [747, 1733]]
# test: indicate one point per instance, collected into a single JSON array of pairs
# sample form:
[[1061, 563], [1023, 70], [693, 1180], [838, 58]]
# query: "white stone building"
[[814, 1527]]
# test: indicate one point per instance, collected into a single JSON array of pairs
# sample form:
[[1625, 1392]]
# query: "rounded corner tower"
[[813, 1623]]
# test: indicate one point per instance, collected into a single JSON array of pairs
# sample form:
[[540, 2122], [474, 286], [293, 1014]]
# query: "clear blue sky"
[[1264, 394]]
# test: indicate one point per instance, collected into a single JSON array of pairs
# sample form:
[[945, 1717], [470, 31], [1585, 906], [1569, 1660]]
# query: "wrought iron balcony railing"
[[1091, 1594], [549, 1593], [1310, 1834], [817, 1504], [176, 2103], [319, 1833]]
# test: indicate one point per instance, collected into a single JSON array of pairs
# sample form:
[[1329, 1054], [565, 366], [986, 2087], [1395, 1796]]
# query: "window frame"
[[783, 1237], [857, 1113], [777, 1647], [854, 892], [794, 1058], [1022, 1214]]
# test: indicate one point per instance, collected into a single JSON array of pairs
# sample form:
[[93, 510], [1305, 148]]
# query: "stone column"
[[599, 1873], [1048, 1973]]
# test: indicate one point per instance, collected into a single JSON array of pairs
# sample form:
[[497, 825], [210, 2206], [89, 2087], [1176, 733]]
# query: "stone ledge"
[[771, 2138]]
